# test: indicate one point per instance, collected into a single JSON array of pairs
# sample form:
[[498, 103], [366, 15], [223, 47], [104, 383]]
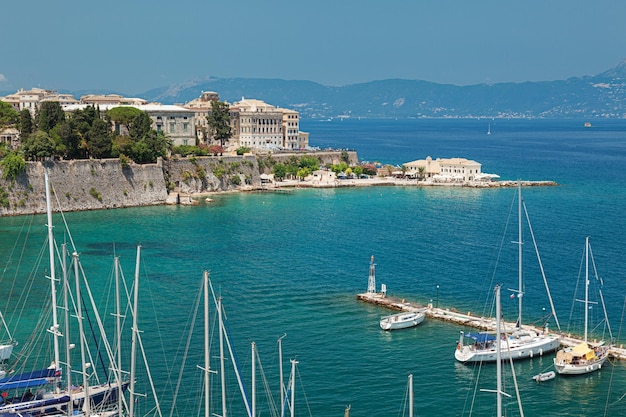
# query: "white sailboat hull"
[[514, 349], [401, 320]]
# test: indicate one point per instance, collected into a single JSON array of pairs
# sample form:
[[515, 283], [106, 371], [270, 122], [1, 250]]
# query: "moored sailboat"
[[584, 357], [522, 342]]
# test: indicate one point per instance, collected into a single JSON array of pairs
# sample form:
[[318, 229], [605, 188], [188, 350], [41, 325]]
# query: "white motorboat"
[[402, 320]]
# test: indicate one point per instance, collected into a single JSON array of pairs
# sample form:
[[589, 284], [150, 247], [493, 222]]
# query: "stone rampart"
[[104, 183]]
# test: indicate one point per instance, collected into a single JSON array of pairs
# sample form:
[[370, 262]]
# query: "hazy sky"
[[131, 46]]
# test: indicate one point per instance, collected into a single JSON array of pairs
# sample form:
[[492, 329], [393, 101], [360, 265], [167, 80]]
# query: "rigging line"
[[601, 285], [497, 261], [543, 274], [187, 347], [619, 335], [571, 312], [21, 257], [98, 342], [266, 385], [306, 399]]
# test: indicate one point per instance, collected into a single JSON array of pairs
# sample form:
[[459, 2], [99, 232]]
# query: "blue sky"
[[131, 46]]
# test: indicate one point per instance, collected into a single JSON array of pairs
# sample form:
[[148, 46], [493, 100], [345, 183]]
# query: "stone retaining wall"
[[104, 184]]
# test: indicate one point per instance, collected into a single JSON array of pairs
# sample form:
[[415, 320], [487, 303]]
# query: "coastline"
[[289, 185], [391, 181]]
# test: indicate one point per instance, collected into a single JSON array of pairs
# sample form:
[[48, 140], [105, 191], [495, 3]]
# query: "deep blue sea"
[[293, 263]]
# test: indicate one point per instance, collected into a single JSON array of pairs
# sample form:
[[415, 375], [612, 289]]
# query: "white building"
[[31, 99], [444, 170]]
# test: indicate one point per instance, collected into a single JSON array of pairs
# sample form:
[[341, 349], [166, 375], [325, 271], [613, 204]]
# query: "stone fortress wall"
[[105, 184]]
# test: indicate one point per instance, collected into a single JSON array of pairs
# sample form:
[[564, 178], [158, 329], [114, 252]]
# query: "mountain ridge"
[[597, 96]]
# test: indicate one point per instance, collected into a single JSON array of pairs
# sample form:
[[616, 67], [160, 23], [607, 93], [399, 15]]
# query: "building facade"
[[444, 169], [201, 107], [260, 125], [31, 99]]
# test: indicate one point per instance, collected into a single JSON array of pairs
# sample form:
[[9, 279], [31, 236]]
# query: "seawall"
[[97, 184]]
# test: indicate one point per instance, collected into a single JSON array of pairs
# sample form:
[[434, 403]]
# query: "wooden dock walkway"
[[481, 323]]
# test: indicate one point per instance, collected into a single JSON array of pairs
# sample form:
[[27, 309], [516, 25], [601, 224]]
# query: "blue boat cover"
[[28, 379], [481, 337]]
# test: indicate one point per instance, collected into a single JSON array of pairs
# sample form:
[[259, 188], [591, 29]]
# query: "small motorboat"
[[544, 376], [402, 320]]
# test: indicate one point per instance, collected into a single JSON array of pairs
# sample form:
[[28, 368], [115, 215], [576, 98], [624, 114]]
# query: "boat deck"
[[481, 323]]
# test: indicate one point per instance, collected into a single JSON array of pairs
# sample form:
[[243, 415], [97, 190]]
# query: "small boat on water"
[[402, 320], [544, 376]]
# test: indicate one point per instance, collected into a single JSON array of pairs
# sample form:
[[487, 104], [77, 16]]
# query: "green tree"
[[67, 138], [123, 116], [8, 116], [280, 171], [12, 165], [358, 170], [219, 121], [99, 139], [38, 146], [152, 146], [49, 115], [140, 126], [303, 173], [309, 162], [26, 126]]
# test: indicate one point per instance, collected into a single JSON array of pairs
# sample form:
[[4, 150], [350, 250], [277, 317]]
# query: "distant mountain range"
[[588, 97]]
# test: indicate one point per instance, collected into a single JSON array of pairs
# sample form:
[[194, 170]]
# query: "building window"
[[171, 127], [185, 126]]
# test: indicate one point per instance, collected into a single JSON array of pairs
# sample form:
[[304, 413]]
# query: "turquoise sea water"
[[293, 263]]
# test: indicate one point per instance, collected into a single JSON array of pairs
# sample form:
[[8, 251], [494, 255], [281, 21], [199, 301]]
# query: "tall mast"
[[371, 281], [519, 254], [133, 352], [498, 356], [55, 323], [586, 284], [280, 370], [293, 387], [68, 346], [207, 365], [219, 314], [81, 333], [410, 395], [118, 330], [253, 379]]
